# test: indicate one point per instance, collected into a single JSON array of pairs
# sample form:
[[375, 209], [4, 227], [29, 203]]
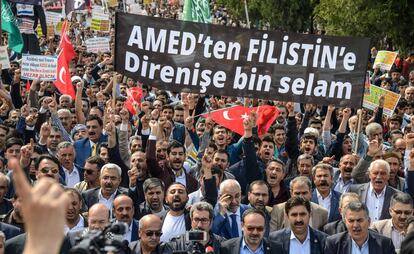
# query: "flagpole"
[[247, 14]]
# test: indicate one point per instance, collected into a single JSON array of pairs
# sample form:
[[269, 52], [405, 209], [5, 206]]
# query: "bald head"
[[148, 220], [123, 209], [98, 217]]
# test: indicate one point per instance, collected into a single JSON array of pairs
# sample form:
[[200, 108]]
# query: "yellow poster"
[[385, 59], [371, 100]]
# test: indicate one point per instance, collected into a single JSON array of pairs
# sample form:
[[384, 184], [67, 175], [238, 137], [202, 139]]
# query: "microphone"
[[209, 250]]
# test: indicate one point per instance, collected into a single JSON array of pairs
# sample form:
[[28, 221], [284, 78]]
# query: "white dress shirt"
[[324, 202], [107, 202], [71, 178], [363, 250], [77, 227], [296, 247], [397, 237], [127, 236], [375, 202]]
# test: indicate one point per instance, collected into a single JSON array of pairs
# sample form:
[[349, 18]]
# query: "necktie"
[[93, 149], [234, 226]]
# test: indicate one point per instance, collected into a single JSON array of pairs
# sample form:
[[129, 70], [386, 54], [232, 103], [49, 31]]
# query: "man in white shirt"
[[376, 194], [177, 220], [66, 156], [323, 194], [74, 221], [300, 238]]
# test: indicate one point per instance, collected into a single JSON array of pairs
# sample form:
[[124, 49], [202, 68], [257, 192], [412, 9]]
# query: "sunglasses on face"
[[151, 233], [47, 170]]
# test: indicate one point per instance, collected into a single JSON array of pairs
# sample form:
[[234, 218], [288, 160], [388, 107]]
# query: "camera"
[[107, 240], [192, 242]]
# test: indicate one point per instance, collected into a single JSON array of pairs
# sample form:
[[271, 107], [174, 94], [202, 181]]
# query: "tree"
[[384, 21], [284, 15]]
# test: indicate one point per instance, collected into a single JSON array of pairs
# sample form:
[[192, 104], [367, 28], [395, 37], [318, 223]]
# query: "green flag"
[[8, 24], [197, 11]]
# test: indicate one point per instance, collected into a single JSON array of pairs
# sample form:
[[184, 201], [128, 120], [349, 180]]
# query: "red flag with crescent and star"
[[134, 96], [67, 53], [232, 118]]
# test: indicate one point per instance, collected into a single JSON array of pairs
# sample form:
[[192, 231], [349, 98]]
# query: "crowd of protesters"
[[324, 179]]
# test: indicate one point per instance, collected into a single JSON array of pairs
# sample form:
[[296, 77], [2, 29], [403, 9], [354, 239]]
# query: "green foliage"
[[384, 21]]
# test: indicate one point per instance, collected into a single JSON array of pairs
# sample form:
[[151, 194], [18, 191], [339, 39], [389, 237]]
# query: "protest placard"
[[112, 3], [241, 62], [385, 60], [39, 67], [52, 18], [99, 44], [50, 30], [371, 100], [4, 58], [100, 20]]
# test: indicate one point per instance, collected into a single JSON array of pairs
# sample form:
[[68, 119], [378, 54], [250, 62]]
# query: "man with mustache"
[[87, 147], [358, 239], [201, 215], [343, 177], [258, 197], [401, 207], [123, 211], [300, 186], [154, 192], [253, 240], [376, 194], [177, 220], [173, 170], [323, 194], [110, 178], [300, 238]]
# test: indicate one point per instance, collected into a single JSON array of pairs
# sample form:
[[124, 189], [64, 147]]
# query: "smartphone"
[[196, 235]]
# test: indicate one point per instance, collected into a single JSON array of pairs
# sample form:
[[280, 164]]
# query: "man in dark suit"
[[9, 230], [252, 241], [89, 146], [338, 226], [300, 236], [71, 173], [110, 179], [323, 194], [228, 211], [358, 237], [123, 211], [376, 191]]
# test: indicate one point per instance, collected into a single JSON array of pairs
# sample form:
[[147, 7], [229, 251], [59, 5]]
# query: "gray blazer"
[[362, 191]]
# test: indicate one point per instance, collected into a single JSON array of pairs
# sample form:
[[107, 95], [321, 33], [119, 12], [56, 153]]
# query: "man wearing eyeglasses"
[[149, 233], [401, 207], [201, 215], [252, 241]]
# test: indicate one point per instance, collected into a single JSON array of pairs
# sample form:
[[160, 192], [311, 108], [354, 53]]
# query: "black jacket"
[[232, 246], [162, 248]]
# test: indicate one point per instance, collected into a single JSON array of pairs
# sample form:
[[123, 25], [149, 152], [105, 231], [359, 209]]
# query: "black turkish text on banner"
[[219, 60]]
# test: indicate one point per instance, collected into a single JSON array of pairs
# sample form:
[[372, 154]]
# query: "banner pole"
[[247, 14], [359, 114]]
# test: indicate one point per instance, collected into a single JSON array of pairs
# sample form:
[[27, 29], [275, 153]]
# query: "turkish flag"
[[232, 118], [134, 95], [67, 53]]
